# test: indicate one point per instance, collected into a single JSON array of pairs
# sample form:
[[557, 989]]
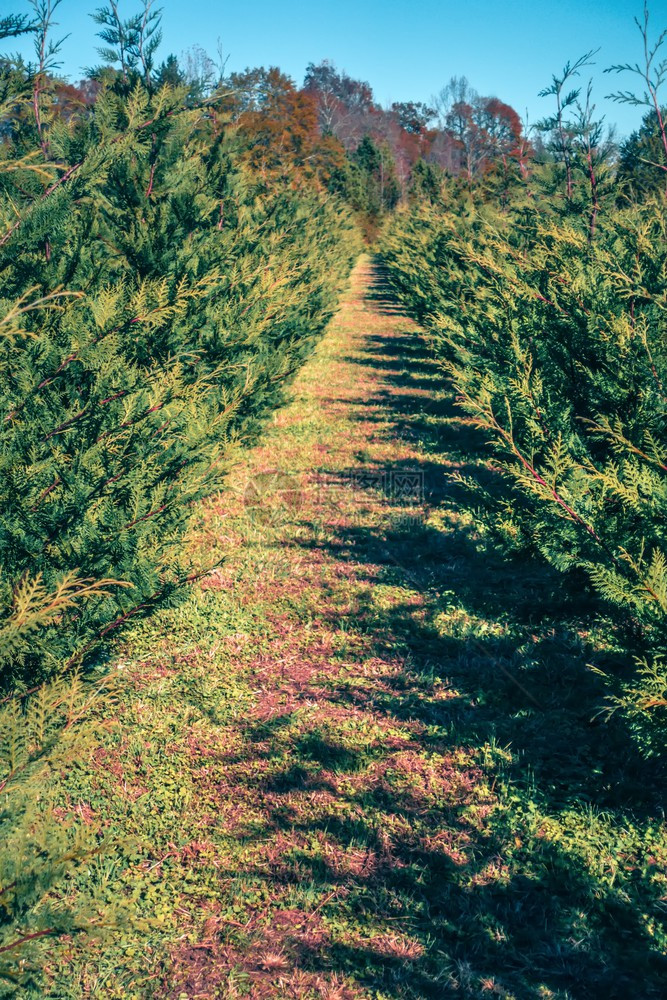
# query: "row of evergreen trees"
[[155, 294], [548, 314], [167, 261]]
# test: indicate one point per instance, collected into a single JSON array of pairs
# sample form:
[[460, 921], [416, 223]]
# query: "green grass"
[[363, 759]]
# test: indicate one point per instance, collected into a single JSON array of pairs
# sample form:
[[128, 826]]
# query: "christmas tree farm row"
[[155, 295], [554, 343]]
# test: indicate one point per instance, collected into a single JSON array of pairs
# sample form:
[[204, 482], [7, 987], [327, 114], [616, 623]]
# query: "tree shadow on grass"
[[506, 900], [443, 885], [440, 886], [533, 623], [515, 646], [455, 821]]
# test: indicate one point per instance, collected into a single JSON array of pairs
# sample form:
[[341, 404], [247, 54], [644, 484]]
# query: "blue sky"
[[406, 50]]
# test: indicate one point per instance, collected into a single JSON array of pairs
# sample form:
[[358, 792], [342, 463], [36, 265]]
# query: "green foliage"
[[12, 25], [40, 737], [555, 345], [367, 180], [640, 155], [426, 182], [153, 301], [133, 42]]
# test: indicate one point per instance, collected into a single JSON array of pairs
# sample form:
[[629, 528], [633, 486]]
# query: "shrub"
[[153, 302], [555, 346]]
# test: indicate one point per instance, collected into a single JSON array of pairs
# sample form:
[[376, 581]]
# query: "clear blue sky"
[[406, 50]]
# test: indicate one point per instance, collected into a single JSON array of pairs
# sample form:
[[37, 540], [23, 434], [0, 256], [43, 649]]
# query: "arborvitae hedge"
[[555, 344], [156, 294], [154, 298]]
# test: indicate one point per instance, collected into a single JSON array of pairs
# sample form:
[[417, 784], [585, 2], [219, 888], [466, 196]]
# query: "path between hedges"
[[312, 751], [343, 795]]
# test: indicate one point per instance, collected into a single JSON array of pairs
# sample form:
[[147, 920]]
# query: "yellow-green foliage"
[[41, 738], [555, 345], [154, 299]]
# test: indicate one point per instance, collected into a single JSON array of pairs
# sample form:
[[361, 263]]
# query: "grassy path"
[[358, 762]]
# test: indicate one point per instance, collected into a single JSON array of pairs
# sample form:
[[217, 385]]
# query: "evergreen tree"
[[145, 324], [549, 321], [642, 167]]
